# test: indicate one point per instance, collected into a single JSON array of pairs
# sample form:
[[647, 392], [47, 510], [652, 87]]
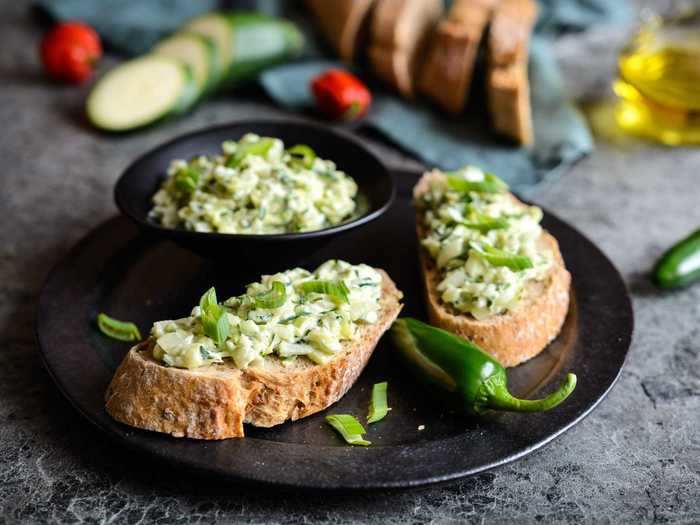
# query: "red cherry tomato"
[[70, 50], [341, 95]]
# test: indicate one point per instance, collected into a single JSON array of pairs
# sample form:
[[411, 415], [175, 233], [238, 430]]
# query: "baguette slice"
[[342, 23], [213, 402], [449, 67], [508, 86], [398, 35], [513, 337]]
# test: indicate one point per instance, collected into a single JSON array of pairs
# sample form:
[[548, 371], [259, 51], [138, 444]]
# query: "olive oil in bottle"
[[659, 82]]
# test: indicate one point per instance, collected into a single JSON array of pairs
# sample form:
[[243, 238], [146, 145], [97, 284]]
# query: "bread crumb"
[[421, 427]]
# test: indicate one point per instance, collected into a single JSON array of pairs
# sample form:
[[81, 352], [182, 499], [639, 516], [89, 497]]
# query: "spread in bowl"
[[255, 186]]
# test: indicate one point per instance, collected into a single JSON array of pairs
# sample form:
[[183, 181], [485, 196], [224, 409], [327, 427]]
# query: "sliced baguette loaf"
[[213, 402], [342, 23], [513, 337], [398, 35], [507, 81]]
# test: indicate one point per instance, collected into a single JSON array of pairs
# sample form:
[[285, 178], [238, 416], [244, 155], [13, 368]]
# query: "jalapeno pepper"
[[680, 265], [473, 378], [341, 95]]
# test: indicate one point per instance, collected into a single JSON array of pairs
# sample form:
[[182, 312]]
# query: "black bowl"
[[262, 252]]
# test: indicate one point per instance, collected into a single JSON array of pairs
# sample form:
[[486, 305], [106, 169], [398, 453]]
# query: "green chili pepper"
[[680, 265], [474, 379]]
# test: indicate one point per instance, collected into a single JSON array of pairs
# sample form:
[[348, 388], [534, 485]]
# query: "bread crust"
[[214, 402], [510, 338]]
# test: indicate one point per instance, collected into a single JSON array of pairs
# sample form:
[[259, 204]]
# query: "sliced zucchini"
[[217, 27], [259, 41], [197, 51], [140, 92]]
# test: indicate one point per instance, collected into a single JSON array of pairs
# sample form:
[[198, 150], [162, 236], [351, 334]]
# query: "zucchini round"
[[259, 41], [140, 92], [215, 26], [197, 51]]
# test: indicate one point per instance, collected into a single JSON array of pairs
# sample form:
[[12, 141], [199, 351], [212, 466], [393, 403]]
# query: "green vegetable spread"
[[485, 244], [290, 315], [255, 187]]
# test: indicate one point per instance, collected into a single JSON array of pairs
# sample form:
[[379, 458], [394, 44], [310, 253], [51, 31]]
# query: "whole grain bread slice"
[[342, 22], [507, 81], [398, 34], [214, 402], [447, 72], [513, 337]]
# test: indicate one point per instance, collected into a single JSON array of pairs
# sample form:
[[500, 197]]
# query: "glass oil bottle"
[[658, 82]]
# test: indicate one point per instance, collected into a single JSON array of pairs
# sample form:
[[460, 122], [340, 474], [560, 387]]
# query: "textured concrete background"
[[636, 459]]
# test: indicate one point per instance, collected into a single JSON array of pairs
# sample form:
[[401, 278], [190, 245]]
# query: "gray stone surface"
[[636, 459]]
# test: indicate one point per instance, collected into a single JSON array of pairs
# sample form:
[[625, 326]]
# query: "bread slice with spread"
[[292, 345], [491, 273]]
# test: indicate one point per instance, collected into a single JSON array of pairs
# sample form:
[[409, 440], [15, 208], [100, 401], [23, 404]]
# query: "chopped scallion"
[[336, 289], [273, 298], [303, 153], [214, 318], [378, 408], [121, 330], [489, 184], [348, 427], [498, 257], [260, 148]]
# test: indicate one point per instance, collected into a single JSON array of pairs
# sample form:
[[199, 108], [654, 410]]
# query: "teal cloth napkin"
[[561, 133]]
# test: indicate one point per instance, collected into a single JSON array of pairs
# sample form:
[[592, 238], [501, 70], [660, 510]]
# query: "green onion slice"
[[260, 148], [186, 179], [378, 408], [273, 298], [303, 153], [484, 223], [490, 183], [121, 330], [336, 289], [214, 318], [501, 258], [348, 427]]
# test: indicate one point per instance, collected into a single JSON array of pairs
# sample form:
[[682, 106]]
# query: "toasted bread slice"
[[398, 35], [213, 402], [342, 23], [507, 82], [447, 72], [513, 337]]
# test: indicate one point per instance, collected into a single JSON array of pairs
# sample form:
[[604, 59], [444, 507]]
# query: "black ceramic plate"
[[116, 270]]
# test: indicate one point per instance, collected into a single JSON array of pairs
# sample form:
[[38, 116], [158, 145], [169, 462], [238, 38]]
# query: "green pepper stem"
[[500, 399]]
